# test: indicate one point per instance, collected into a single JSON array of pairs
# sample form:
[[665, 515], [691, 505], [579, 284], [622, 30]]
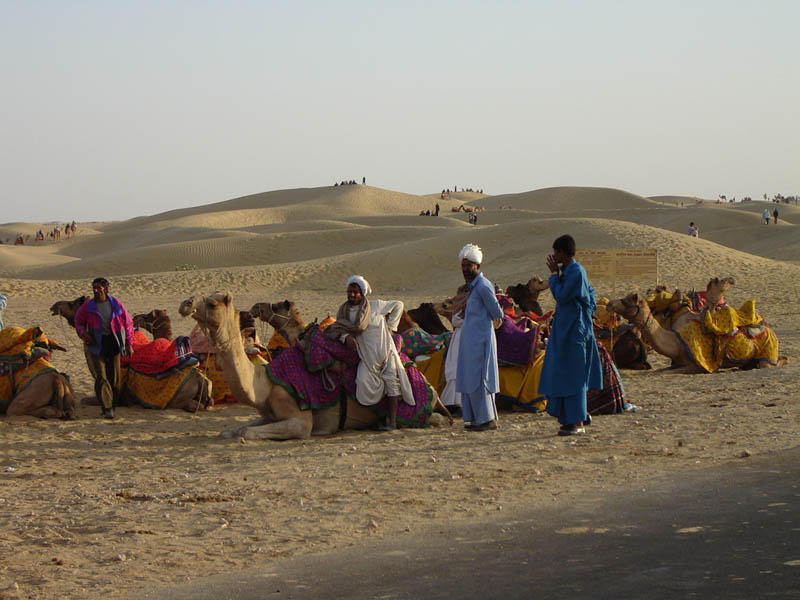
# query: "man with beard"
[[477, 378], [366, 326], [107, 330]]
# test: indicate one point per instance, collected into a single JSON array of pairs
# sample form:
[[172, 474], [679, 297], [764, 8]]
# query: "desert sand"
[[95, 508]]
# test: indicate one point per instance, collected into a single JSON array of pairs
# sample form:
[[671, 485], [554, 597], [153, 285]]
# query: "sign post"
[[622, 265]]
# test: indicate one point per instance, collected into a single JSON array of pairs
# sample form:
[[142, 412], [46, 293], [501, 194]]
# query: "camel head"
[[444, 308], [211, 312], [284, 317], [536, 285], [632, 307], [715, 290], [68, 308], [147, 320]]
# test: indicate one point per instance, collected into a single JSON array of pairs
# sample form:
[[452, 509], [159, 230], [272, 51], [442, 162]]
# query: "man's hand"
[[552, 264], [87, 338], [497, 322], [351, 343], [128, 350]]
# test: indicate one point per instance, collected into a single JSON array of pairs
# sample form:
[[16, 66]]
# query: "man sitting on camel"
[[366, 326]]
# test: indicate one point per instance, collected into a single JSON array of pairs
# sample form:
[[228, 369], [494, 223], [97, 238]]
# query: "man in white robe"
[[366, 326]]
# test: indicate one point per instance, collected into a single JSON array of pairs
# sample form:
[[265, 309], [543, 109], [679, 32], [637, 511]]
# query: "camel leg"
[[359, 417], [326, 421], [442, 409], [35, 400], [194, 395], [289, 421], [298, 427], [48, 397], [238, 430]]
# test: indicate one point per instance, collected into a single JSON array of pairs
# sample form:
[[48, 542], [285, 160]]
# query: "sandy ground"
[[95, 507]]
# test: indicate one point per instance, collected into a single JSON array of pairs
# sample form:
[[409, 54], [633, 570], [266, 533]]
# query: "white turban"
[[472, 253], [360, 282]]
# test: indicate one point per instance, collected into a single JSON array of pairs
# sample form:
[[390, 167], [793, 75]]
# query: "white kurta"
[[449, 395], [380, 372]]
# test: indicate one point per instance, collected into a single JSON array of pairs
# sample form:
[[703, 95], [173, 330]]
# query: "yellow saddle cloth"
[[151, 392], [728, 334], [14, 382]]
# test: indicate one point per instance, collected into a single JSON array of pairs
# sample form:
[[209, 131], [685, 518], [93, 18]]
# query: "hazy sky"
[[110, 110]]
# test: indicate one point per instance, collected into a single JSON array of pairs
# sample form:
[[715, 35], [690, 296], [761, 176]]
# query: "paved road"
[[731, 532]]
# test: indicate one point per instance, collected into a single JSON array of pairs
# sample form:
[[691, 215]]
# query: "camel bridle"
[[155, 324], [274, 315], [647, 322]]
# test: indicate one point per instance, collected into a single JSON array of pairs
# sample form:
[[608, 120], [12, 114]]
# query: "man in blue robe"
[[477, 379], [571, 362]]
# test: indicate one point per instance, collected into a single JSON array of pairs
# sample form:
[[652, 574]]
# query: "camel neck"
[[236, 367]]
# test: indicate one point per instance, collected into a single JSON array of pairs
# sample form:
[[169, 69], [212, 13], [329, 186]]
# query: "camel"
[[287, 320], [427, 318], [526, 295], [281, 417], [41, 391], [624, 342], [68, 309], [48, 396], [668, 342], [156, 322], [194, 392]]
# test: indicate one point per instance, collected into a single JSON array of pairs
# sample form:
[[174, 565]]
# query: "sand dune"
[[162, 490]]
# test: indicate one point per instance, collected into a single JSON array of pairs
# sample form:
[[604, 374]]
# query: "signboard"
[[620, 265]]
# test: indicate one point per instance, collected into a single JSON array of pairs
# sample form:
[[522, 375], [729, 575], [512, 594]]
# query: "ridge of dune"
[[281, 206], [567, 198]]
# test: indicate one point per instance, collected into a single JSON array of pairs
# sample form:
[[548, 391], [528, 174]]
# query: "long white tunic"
[[381, 370], [449, 395]]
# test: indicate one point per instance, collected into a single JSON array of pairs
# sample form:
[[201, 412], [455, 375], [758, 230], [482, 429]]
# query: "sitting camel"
[[717, 338], [427, 318], [526, 295], [623, 341], [29, 384], [286, 319], [189, 391], [68, 309], [156, 322], [281, 417]]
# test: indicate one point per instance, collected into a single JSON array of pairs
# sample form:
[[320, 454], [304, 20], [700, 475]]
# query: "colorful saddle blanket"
[[159, 356], [304, 370], [727, 334], [12, 382], [19, 345], [152, 392], [611, 399], [417, 341], [515, 346]]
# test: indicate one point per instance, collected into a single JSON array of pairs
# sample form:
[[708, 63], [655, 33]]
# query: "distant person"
[[436, 213], [363, 181], [766, 216], [693, 231], [775, 216], [572, 363], [3, 304], [107, 330]]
